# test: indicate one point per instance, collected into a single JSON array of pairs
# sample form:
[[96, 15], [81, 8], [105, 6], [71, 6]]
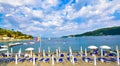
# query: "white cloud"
[[38, 13], [1, 9], [17, 2], [46, 4], [46, 19]]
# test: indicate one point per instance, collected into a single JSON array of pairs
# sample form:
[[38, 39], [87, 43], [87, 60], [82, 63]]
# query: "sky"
[[56, 18]]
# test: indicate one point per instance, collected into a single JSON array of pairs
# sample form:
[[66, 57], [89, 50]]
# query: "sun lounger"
[[60, 60], [61, 55], [75, 59], [78, 55], [68, 58], [4, 55], [113, 59], [106, 60], [47, 60], [83, 58], [89, 59], [41, 59]]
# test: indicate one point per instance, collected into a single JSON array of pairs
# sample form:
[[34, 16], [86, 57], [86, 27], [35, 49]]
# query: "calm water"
[[75, 43]]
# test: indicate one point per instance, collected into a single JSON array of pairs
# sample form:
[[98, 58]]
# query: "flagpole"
[[40, 43]]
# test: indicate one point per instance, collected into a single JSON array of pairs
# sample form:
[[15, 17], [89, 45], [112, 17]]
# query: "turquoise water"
[[75, 43]]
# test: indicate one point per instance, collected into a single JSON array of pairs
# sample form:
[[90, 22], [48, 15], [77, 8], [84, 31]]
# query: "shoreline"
[[13, 40]]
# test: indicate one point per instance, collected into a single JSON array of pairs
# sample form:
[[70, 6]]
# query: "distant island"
[[99, 32], [9, 35]]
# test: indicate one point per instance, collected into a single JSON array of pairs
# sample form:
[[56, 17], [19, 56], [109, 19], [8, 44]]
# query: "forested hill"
[[99, 32], [13, 34]]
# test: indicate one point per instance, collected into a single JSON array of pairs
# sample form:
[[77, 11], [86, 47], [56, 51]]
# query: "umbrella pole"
[[16, 59], [11, 51], [34, 60], [31, 53], [57, 52], [53, 63], [73, 62], [95, 60], [117, 55], [85, 52]]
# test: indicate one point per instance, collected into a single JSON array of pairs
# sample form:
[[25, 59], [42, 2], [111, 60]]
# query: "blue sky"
[[58, 17]]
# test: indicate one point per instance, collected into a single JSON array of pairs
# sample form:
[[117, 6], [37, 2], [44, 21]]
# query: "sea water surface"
[[64, 43]]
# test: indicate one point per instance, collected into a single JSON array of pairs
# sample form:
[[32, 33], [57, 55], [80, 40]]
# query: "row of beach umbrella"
[[70, 51]]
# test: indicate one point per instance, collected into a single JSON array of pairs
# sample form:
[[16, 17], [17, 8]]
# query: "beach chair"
[[68, 58], [4, 55], [10, 59], [83, 55], [75, 59], [21, 59], [29, 59], [61, 55], [78, 54], [113, 59], [60, 60], [89, 59], [95, 52], [41, 59], [111, 54], [47, 60], [55, 59], [106, 60], [99, 59], [83, 59], [46, 54]]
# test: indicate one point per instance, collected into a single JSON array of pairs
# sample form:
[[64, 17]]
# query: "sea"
[[64, 43]]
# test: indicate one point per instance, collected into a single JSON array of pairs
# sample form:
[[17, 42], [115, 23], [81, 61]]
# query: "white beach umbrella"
[[53, 63], [85, 52], [105, 47], [43, 53], [57, 52], [4, 49], [16, 59], [34, 60], [70, 50], [4, 46], [30, 49], [95, 60], [117, 55], [92, 47]]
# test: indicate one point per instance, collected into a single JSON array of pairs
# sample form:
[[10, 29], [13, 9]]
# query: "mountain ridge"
[[99, 32]]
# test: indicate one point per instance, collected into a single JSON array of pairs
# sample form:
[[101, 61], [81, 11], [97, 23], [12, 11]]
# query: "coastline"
[[14, 40]]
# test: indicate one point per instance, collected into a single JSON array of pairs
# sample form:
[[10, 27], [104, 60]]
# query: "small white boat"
[[25, 43], [31, 42], [4, 46], [3, 49], [49, 38], [17, 43]]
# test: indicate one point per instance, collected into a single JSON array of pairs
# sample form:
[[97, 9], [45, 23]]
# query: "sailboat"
[[49, 38]]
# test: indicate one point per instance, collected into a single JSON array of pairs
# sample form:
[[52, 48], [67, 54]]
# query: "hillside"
[[13, 34], [100, 32]]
